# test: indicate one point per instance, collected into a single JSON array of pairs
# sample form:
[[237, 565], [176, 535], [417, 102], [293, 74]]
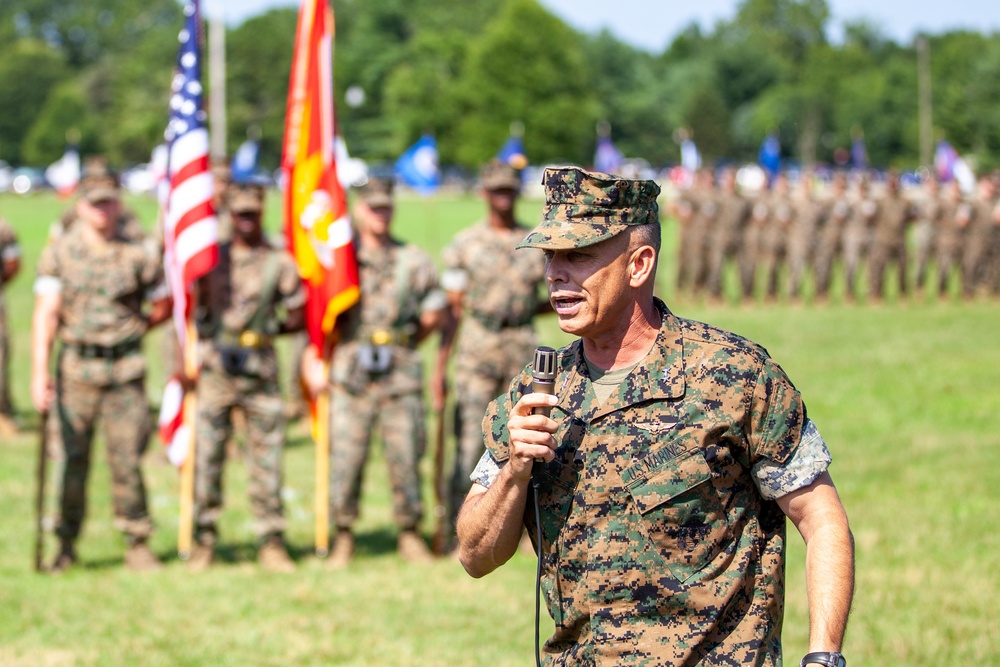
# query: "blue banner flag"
[[607, 158], [512, 153], [418, 166], [769, 156], [244, 164]]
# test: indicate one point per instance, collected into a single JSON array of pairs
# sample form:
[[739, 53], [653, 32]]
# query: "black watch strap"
[[827, 658]]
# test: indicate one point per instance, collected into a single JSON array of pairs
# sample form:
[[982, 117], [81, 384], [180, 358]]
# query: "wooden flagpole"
[[322, 433], [185, 527]]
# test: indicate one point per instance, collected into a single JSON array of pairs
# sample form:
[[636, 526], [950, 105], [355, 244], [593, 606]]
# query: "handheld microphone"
[[543, 381]]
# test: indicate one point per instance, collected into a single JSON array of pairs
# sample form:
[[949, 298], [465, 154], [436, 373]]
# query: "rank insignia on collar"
[[656, 427]]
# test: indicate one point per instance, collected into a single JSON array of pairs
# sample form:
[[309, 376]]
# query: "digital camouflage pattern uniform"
[[889, 242], [926, 230], [500, 290], [731, 222], [979, 233], [808, 216], [245, 293], [10, 251], [696, 209], [831, 239], [775, 235], [398, 284], [857, 237], [700, 232], [101, 369], [661, 540], [950, 237]]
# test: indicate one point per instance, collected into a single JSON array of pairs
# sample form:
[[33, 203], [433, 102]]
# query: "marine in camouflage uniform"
[[494, 294], [10, 264], [377, 377], [695, 212], [980, 224], [774, 238], [831, 238], [701, 230], [858, 235], [926, 230], [96, 173], [950, 238], [673, 454], [253, 294], [90, 291], [808, 216], [888, 244], [727, 235]]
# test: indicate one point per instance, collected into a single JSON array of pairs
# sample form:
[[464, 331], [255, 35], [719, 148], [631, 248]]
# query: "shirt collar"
[[659, 376]]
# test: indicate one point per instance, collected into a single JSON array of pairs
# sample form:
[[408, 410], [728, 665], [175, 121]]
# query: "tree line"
[[464, 71]]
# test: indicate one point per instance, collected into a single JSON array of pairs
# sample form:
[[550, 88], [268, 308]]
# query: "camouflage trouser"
[[353, 418], [721, 248], [6, 405], [124, 414], [750, 257], [260, 400], [923, 239], [878, 262], [973, 264], [692, 270], [948, 257], [486, 363], [799, 256], [773, 249], [826, 252], [473, 394], [684, 255], [855, 245]]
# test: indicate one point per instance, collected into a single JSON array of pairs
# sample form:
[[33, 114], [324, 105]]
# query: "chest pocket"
[[681, 513]]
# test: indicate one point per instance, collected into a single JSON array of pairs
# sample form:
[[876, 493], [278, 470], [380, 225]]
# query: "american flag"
[[190, 228]]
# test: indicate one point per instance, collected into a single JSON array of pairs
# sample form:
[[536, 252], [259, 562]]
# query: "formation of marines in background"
[[784, 241], [777, 238]]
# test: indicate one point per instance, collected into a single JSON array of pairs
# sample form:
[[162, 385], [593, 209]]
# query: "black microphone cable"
[[543, 381]]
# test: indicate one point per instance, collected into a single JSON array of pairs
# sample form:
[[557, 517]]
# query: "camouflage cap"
[[583, 208], [376, 192], [246, 199], [498, 175], [98, 189]]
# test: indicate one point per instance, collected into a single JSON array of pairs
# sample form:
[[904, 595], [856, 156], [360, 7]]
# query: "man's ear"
[[640, 265]]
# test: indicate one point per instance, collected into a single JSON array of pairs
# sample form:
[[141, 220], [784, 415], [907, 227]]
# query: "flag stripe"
[[192, 169], [190, 228]]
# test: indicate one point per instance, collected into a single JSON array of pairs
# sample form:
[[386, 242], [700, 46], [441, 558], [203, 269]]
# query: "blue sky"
[[652, 24]]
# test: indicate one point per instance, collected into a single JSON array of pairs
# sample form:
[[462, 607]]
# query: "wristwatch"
[[827, 658]]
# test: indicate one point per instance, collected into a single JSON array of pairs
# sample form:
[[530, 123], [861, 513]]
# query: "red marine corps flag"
[[191, 245], [316, 223]]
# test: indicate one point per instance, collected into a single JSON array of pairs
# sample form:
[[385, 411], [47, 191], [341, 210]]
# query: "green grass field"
[[905, 394]]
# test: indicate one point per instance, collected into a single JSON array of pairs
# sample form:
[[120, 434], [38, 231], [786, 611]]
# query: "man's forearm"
[[830, 584], [490, 524]]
